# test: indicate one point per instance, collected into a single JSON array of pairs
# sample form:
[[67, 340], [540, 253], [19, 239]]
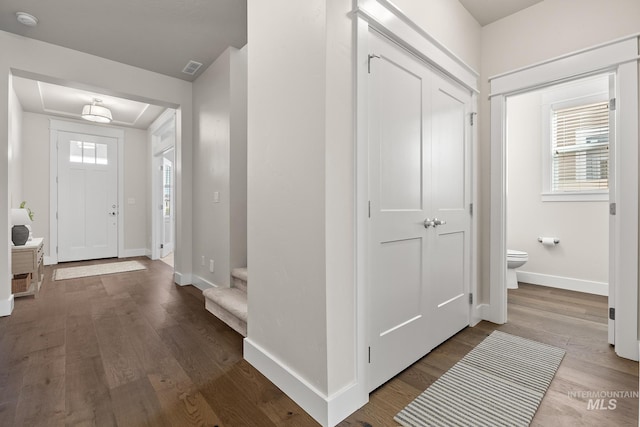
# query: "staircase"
[[230, 304]]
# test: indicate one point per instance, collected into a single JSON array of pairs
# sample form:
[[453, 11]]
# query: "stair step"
[[239, 278], [229, 305]]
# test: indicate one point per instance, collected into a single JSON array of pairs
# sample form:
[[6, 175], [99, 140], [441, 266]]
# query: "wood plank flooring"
[[134, 349]]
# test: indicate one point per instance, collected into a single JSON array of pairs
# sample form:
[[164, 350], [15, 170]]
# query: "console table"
[[28, 259]]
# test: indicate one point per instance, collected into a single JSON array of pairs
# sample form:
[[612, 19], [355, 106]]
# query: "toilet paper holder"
[[555, 240]]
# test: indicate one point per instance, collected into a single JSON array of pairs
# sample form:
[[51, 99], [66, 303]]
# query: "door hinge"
[[612, 313], [471, 118], [56, 215], [56, 249], [161, 245], [161, 167], [470, 208], [470, 298], [612, 208], [612, 104], [369, 208], [371, 55], [369, 354]]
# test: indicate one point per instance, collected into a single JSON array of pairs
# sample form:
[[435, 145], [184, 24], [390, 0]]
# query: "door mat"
[[96, 270]]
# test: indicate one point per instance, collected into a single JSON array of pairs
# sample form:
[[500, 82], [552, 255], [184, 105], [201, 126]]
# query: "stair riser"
[[239, 283], [236, 324]]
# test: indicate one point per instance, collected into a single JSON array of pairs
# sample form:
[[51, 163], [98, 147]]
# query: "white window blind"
[[580, 148]]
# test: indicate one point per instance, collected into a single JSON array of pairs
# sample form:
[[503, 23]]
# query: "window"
[[580, 147], [576, 141], [88, 152]]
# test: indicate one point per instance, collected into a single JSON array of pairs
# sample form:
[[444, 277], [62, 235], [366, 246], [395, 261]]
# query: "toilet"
[[515, 259]]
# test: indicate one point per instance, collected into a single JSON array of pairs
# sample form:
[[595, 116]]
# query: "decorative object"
[[97, 270], [96, 112], [500, 382], [19, 231]]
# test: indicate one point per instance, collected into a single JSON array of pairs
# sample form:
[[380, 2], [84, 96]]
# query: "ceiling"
[[156, 35], [62, 101], [488, 11]]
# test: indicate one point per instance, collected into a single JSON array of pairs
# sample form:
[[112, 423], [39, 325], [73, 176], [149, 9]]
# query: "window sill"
[[578, 196]]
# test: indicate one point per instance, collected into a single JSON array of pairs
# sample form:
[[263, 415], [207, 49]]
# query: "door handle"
[[112, 213], [428, 223], [437, 222]]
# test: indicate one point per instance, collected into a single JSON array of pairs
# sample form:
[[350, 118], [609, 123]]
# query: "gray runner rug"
[[501, 382]]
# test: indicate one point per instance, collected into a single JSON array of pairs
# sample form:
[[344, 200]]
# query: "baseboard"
[[182, 279], [130, 253], [568, 283], [6, 306], [201, 283], [326, 410]]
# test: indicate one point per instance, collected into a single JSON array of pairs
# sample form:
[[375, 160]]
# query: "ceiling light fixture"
[[95, 112], [26, 19]]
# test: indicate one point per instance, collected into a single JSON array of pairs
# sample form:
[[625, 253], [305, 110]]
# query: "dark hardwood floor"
[[134, 349]]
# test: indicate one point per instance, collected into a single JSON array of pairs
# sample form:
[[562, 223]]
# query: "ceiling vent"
[[191, 68]]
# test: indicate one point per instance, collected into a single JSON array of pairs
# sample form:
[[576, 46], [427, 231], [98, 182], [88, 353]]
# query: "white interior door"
[[166, 245], [87, 197], [450, 205], [419, 221]]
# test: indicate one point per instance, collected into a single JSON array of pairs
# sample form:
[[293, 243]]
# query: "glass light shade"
[[20, 217], [96, 113]]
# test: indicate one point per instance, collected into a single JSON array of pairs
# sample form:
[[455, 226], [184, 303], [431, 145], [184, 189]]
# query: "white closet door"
[[418, 171], [87, 197]]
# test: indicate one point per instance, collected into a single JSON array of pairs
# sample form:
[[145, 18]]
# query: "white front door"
[[87, 197], [419, 219]]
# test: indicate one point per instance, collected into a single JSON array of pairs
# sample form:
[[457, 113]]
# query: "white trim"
[[385, 17], [202, 283], [326, 410], [6, 306], [576, 196], [621, 58], [560, 282], [55, 126], [130, 253], [567, 67], [182, 279]]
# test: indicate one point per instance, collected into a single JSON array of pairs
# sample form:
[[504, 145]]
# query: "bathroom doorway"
[[558, 144]]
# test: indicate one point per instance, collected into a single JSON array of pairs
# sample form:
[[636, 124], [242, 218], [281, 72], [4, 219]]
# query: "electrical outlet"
[[211, 265], [202, 260]]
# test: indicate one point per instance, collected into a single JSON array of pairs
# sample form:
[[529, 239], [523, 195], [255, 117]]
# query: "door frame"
[[55, 126], [388, 20], [165, 123], [620, 57]]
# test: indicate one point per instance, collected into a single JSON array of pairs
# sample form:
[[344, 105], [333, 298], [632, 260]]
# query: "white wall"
[[301, 224], [582, 227], [23, 55], [219, 165], [536, 34], [15, 150]]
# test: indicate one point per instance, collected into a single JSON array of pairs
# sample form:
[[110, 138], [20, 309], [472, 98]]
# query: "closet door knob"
[[428, 223], [437, 222]]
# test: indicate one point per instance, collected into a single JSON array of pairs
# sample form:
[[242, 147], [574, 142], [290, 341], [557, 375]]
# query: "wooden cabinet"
[[28, 259]]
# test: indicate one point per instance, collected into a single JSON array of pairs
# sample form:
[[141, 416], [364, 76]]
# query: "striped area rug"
[[501, 382], [97, 269]]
